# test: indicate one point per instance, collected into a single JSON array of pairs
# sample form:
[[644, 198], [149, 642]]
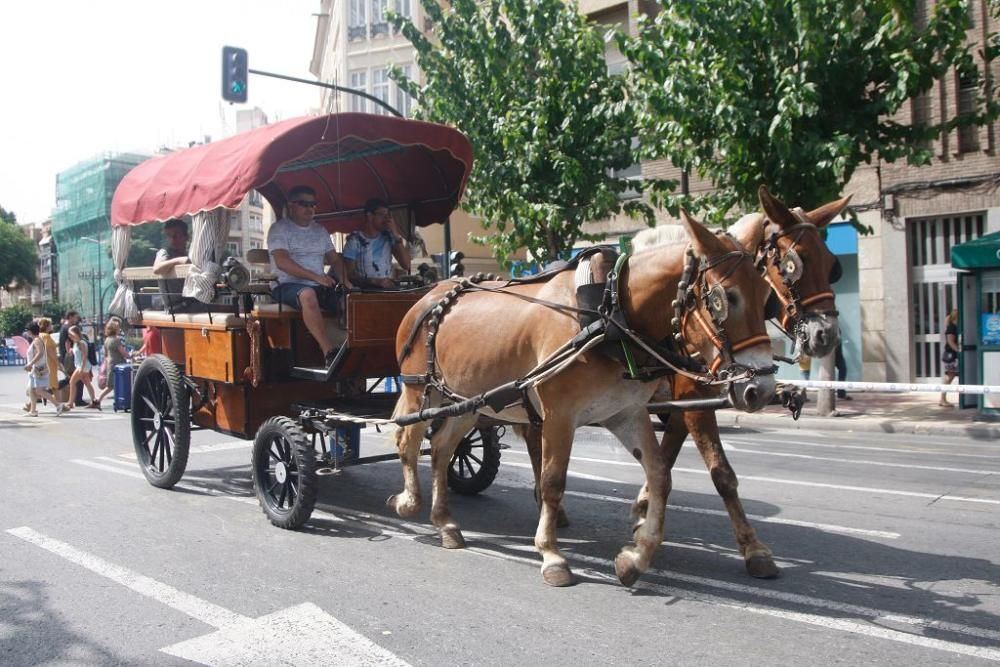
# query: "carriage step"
[[314, 373]]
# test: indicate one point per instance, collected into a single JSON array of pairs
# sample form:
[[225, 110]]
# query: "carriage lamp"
[[235, 276]]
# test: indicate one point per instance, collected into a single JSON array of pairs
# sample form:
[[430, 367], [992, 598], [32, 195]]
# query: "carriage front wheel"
[[476, 461], [284, 472], [161, 421]]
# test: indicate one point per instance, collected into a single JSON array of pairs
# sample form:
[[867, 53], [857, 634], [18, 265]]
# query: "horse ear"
[[703, 241], [827, 212], [775, 209], [749, 231]]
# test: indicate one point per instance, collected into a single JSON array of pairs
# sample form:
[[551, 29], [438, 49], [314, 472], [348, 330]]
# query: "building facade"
[[81, 230]]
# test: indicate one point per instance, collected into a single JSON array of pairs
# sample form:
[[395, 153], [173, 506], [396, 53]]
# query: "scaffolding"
[[81, 228]]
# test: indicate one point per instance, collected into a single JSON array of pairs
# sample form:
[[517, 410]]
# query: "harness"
[[605, 326], [795, 314]]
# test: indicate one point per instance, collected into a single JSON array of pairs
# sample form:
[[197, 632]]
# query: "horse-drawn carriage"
[[587, 345], [236, 363]]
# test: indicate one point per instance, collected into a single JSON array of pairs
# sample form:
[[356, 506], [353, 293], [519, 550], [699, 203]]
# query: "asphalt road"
[[888, 546]]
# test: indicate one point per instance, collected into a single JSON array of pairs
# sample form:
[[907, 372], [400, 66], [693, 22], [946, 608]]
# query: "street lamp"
[[94, 278]]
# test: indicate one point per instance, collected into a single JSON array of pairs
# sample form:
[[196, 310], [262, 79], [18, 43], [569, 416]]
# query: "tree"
[[18, 253], [144, 241], [15, 319], [54, 310], [528, 84], [792, 94]]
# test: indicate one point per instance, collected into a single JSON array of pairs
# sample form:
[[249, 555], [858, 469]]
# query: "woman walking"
[[38, 367], [83, 372], [51, 355], [950, 356], [114, 354]]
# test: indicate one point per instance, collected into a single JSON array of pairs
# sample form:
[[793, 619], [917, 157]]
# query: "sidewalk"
[[886, 413]]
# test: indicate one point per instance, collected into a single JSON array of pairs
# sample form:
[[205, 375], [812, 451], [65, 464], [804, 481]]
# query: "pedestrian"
[[37, 367], [151, 343], [114, 354], [70, 319], [949, 358], [841, 364], [51, 355], [84, 370]]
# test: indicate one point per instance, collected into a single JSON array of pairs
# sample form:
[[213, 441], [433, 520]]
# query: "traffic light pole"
[[331, 86], [446, 257]]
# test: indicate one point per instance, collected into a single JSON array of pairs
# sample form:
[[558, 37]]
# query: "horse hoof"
[[626, 568], [762, 567], [451, 538], [403, 509], [558, 575], [562, 521]]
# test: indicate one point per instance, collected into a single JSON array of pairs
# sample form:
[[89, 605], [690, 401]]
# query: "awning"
[[347, 158], [982, 253]]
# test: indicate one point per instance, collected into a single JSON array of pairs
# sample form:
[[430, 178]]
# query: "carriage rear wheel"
[[161, 421], [284, 472], [476, 461]]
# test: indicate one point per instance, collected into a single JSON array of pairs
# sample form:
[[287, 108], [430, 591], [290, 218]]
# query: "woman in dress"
[[38, 368], [950, 355], [114, 354]]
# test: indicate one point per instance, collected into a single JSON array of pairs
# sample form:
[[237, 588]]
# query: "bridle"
[[694, 287], [795, 313]]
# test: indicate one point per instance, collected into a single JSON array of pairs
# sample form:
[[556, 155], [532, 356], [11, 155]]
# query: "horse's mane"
[[674, 234]]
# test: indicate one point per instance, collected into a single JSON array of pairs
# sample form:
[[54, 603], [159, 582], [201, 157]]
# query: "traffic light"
[[234, 74], [455, 266]]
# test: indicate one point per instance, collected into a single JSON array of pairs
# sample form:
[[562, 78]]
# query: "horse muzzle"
[[819, 333], [755, 392]]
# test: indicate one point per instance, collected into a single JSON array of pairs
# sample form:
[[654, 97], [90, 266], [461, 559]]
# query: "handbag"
[[949, 356], [102, 374]]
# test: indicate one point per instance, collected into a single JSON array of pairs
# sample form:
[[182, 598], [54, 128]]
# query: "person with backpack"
[[84, 369]]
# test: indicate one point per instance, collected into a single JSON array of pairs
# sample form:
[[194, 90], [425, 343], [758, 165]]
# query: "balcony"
[[380, 28], [357, 32]]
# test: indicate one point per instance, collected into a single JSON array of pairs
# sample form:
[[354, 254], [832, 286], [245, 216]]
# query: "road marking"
[[866, 462], [749, 441], [301, 635], [395, 527], [774, 480]]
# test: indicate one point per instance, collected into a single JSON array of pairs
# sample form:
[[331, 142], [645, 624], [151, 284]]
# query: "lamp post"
[[94, 278]]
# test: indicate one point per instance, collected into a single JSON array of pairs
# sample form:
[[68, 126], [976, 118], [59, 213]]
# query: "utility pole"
[[94, 279]]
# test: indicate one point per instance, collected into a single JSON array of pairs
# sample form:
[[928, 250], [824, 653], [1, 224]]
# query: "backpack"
[[91, 351]]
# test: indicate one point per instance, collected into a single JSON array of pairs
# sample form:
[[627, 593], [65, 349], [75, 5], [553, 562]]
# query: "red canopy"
[[347, 158]]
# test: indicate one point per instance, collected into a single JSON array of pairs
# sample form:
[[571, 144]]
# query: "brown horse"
[[800, 269], [486, 339]]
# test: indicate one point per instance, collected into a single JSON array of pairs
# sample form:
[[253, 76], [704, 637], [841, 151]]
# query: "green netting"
[[83, 209]]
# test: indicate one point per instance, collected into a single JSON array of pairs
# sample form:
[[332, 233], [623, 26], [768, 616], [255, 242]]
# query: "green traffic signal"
[[234, 74]]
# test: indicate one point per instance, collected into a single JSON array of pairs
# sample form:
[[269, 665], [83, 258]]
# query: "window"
[[968, 136], [359, 81], [256, 223], [920, 112], [403, 8], [380, 26], [233, 249], [380, 89], [404, 102], [255, 245], [357, 14], [235, 221]]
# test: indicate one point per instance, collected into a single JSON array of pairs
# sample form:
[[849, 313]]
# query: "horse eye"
[[732, 298]]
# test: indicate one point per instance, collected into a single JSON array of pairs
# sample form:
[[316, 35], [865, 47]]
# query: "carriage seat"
[[212, 320]]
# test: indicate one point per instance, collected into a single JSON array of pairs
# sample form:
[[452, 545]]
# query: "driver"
[[368, 253], [299, 249]]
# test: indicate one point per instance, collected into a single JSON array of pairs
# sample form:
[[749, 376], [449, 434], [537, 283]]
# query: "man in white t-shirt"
[[368, 252], [300, 248]]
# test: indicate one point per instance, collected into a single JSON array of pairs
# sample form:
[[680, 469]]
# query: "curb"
[[976, 430]]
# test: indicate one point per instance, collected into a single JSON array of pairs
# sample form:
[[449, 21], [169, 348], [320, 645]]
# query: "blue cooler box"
[[123, 386]]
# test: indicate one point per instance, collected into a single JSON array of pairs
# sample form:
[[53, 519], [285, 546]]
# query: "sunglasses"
[[304, 204]]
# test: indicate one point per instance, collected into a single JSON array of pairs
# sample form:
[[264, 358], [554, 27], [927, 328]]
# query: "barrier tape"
[[896, 387]]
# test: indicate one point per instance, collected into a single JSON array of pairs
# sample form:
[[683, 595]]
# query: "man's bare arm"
[[340, 267], [163, 267], [285, 262]]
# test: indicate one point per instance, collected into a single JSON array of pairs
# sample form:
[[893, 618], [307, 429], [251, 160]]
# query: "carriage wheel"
[[476, 461], [161, 421], [284, 472]]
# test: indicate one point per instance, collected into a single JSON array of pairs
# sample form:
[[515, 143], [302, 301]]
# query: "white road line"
[[303, 634], [747, 440], [825, 527], [206, 612], [775, 480], [866, 462], [391, 526]]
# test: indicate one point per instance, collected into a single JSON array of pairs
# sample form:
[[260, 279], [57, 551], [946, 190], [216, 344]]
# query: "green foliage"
[[18, 256], [14, 319], [144, 241], [54, 310], [528, 83], [7, 216], [791, 94]]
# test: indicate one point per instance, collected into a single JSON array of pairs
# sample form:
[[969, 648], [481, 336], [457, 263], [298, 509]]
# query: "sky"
[[81, 78]]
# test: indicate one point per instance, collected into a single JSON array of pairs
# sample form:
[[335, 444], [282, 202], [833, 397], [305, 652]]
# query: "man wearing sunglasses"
[[300, 248], [368, 253]]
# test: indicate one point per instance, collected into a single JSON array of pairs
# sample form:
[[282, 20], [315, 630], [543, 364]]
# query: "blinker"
[[791, 266], [717, 303]]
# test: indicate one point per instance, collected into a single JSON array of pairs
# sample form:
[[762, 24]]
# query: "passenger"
[[368, 253], [167, 259], [299, 249]]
